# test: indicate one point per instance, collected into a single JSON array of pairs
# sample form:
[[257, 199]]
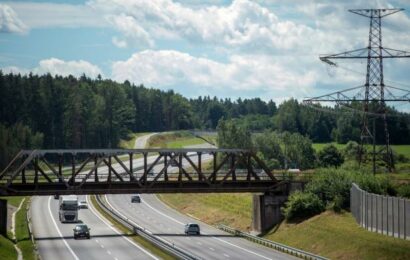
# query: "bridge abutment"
[[266, 212], [3, 217]]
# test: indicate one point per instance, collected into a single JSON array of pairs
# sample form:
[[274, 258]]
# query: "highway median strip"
[[152, 248]]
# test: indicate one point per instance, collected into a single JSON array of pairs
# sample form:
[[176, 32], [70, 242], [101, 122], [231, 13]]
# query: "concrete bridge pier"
[[3, 217], [266, 211]]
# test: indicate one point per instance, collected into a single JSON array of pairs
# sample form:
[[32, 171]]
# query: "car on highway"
[[82, 204], [174, 162], [135, 198], [81, 230], [192, 228]]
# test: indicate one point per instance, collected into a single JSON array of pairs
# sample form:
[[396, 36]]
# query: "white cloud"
[[9, 21], [132, 32], [59, 67], [242, 24], [170, 69], [307, 27], [56, 15]]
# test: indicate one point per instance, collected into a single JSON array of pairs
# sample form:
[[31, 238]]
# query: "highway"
[[168, 224], [55, 240]]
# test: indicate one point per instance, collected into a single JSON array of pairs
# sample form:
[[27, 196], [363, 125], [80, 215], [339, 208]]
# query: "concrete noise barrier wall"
[[382, 214]]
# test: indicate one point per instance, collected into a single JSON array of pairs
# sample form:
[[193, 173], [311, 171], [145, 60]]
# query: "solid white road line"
[[224, 241], [58, 230], [126, 238]]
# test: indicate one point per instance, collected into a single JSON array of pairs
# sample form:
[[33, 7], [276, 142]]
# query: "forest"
[[68, 112]]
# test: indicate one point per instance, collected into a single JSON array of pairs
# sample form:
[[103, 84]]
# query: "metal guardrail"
[[277, 246], [30, 229], [170, 248]]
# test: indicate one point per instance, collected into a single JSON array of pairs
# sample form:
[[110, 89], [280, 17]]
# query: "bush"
[[404, 191], [329, 156], [333, 186], [302, 205]]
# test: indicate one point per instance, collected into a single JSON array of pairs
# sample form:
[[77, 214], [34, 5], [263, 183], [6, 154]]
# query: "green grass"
[[23, 239], [400, 149], [129, 142], [229, 209], [7, 250], [173, 140], [337, 236], [138, 239], [22, 233], [182, 142], [14, 200], [319, 146]]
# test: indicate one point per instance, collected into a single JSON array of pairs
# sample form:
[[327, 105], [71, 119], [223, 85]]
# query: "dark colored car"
[[56, 196], [81, 230], [191, 228], [174, 162], [135, 198]]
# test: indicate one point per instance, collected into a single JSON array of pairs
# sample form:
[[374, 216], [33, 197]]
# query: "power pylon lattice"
[[374, 90]]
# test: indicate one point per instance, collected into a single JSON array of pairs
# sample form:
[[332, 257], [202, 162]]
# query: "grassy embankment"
[[7, 250], [124, 230], [129, 142], [23, 239], [173, 140], [336, 236]]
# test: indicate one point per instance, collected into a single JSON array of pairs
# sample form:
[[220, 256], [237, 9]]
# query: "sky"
[[264, 48]]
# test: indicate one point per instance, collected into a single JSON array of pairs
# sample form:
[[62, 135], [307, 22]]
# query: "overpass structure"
[[48, 172]]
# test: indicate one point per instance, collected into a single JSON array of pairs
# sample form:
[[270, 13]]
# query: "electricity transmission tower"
[[374, 91]]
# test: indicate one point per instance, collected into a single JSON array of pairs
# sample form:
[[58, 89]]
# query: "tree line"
[[44, 111]]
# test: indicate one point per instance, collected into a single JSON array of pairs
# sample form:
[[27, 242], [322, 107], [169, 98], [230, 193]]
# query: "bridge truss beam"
[[102, 171]]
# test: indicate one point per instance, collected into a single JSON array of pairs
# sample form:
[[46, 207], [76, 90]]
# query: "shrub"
[[404, 191], [333, 186], [302, 205], [329, 156]]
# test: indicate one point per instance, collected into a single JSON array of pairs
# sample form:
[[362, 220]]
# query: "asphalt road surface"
[[168, 224], [55, 239]]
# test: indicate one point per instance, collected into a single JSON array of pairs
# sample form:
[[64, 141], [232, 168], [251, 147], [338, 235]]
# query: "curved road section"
[[168, 224], [55, 240]]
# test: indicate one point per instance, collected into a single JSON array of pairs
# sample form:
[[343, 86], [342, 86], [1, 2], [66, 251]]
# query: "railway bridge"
[[115, 171]]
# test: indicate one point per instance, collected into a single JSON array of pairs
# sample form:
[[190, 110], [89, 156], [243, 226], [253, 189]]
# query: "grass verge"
[[173, 140], [7, 250], [338, 236], [233, 210], [23, 238], [138, 239], [129, 142]]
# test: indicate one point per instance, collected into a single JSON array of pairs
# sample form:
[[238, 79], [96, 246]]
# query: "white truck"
[[68, 209]]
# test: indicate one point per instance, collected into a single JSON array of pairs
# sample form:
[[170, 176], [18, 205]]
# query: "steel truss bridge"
[[102, 171]]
